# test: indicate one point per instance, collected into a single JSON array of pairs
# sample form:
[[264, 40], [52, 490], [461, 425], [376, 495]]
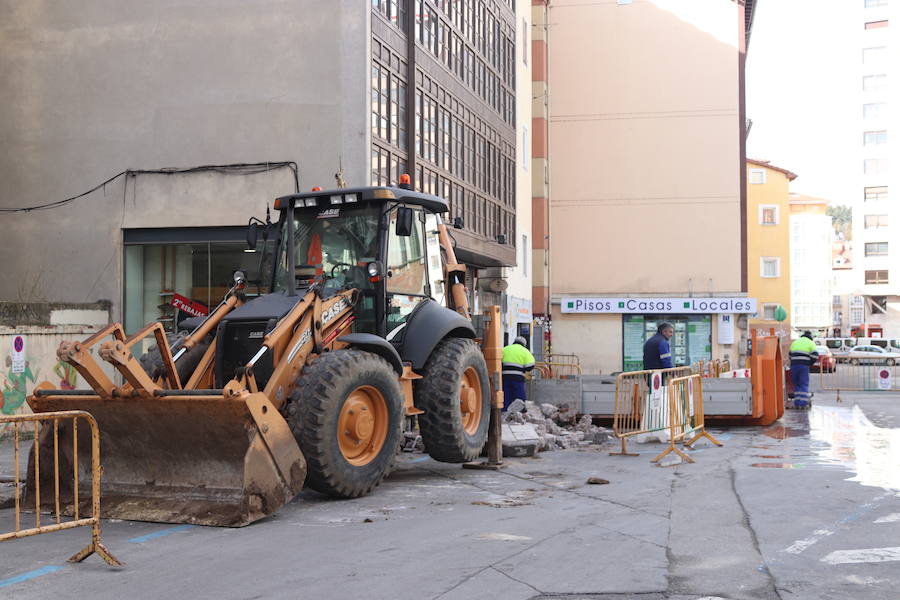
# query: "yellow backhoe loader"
[[365, 323]]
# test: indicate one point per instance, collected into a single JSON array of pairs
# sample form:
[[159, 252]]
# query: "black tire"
[[854, 361], [891, 362], [151, 360], [443, 425], [315, 410]]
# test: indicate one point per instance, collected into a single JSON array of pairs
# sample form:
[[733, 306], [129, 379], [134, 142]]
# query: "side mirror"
[[458, 223], [404, 221], [252, 233]]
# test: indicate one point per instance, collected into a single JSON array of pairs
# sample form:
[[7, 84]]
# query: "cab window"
[[407, 273]]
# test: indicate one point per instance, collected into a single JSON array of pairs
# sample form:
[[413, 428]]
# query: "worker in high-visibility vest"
[[803, 355], [517, 360]]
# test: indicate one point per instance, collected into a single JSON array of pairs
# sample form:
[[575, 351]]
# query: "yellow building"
[[768, 242]]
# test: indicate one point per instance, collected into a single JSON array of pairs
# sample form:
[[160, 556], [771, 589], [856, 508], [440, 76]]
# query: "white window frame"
[[875, 137], [876, 82], [875, 165], [874, 55], [525, 251], [525, 42], [757, 173], [763, 208], [526, 147], [876, 110], [762, 266]]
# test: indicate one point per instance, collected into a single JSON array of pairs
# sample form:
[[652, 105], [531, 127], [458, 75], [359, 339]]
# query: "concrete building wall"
[[641, 162], [92, 89], [646, 165], [519, 277]]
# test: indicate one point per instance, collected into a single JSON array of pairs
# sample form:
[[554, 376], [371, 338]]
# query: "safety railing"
[[557, 383], [860, 376], [641, 405], [554, 370], [44, 437], [711, 368], [569, 359], [686, 416]]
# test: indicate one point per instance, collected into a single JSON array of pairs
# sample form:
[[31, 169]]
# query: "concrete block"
[[520, 449], [518, 433]]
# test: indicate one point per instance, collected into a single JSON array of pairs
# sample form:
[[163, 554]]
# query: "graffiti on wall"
[[15, 385]]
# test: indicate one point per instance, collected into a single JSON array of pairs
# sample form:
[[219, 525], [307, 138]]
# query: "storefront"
[[609, 333], [175, 273], [691, 342]]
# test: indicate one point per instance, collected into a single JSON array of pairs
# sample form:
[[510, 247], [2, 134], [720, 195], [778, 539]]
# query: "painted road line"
[[29, 575], [889, 519], [801, 545], [863, 555], [159, 534]]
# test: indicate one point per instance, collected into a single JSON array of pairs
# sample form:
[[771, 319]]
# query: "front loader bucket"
[[202, 459]]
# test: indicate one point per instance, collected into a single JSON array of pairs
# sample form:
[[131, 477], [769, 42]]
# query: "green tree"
[[841, 220]]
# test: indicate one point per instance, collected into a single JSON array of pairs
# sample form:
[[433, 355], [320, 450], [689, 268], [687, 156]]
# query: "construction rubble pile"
[[529, 427]]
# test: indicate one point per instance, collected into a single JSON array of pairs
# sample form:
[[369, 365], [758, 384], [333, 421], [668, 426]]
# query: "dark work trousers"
[[800, 379], [512, 389]]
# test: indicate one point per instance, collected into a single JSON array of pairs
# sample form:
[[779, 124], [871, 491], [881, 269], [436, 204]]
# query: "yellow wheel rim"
[[470, 400], [363, 425]]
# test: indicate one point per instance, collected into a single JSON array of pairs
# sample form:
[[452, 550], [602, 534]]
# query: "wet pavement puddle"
[[839, 437]]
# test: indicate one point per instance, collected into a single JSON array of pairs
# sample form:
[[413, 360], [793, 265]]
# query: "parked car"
[[826, 362], [872, 355]]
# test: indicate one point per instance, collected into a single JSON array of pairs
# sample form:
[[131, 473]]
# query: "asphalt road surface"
[[808, 508]]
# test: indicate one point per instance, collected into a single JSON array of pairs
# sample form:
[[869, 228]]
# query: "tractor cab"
[[382, 241]]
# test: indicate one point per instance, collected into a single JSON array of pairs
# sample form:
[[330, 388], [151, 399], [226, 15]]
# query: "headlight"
[[350, 198], [374, 269], [337, 200], [310, 202]]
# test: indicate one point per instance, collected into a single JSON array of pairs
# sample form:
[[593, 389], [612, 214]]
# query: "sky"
[[803, 93]]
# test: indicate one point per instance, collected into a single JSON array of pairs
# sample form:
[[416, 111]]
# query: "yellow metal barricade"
[[860, 377], [569, 359], [554, 370], [711, 368], [686, 416], [639, 409], [52, 419]]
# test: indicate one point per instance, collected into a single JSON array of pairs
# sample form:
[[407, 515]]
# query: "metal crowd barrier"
[[554, 370], [640, 409], [711, 368], [861, 378], [78, 520], [570, 359], [557, 383], [686, 416]]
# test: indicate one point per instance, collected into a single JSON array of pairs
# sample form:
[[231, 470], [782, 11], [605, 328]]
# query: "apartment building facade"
[[876, 220], [208, 115], [647, 205], [811, 265], [768, 244]]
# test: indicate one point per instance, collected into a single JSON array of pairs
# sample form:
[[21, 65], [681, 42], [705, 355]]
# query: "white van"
[[840, 347]]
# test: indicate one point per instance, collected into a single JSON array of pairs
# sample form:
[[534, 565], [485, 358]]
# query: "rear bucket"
[[206, 460]]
